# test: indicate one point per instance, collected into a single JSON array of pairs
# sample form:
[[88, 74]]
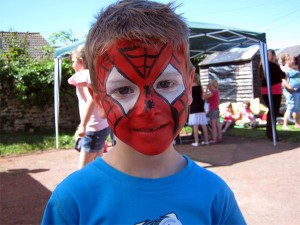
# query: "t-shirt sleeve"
[[80, 78], [53, 213], [232, 213], [225, 208]]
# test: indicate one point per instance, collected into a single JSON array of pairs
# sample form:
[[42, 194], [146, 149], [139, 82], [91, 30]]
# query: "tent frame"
[[216, 38]]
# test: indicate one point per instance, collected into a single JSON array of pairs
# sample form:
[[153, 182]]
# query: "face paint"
[[144, 94]]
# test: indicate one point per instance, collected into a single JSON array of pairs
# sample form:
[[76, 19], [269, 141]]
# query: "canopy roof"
[[209, 38], [204, 38], [231, 55], [67, 50]]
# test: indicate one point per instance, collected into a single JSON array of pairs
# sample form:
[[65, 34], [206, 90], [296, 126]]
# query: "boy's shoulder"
[[100, 173]]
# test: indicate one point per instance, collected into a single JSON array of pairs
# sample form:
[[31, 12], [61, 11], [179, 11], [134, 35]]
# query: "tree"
[[32, 79], [62, 38]]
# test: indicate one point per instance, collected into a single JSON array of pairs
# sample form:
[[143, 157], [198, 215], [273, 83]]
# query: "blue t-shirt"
[[100, 194]]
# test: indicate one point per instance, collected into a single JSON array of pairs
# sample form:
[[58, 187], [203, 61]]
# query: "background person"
[[228, 117], [291, 91], [277, 76], [197, 115], [93, 129], [213, 98], [246, 115]]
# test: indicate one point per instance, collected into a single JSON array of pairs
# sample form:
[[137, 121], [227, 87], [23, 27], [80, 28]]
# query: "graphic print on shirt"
[[169, 219]]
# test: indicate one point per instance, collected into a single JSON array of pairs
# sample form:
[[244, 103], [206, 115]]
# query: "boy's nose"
[[147, 106]]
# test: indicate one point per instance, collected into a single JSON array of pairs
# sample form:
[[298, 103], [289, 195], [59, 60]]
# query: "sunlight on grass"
[[292, 135], [20, 143]]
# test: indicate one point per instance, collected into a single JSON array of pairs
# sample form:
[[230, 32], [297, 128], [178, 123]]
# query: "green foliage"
[[33, 79], [33, 82], [62, 37], [21, 143], [195, 61]]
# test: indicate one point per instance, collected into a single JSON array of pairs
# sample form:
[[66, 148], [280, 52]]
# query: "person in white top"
[[92, 129]]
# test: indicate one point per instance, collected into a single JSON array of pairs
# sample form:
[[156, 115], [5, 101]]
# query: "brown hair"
[[246, 102], [148, 23]]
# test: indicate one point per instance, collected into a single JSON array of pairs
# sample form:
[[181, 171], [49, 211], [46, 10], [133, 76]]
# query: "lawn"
[[292, 135], [22, 143]]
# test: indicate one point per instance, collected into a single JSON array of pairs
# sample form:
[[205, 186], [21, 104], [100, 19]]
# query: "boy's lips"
[[148, 130]]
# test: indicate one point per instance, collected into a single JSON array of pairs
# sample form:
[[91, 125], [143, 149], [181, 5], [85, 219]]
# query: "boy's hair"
[[79, 54], [145, 22]]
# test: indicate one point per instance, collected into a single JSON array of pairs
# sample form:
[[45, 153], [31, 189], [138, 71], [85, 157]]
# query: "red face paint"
[[144, 92]]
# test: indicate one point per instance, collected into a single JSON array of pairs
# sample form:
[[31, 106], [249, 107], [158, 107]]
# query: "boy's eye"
[[124, 90], [165, 84], [169, 84]]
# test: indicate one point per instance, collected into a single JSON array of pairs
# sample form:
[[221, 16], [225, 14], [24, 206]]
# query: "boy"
[[138, 59]]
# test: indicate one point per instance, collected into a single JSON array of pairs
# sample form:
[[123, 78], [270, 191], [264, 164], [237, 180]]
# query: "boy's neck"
[[127, 160]]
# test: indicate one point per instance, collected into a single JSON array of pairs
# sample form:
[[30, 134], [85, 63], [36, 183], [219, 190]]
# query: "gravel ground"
[[264, 178]]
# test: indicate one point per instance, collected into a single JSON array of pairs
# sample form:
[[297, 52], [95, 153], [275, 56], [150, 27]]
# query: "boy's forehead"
[[139, 60]]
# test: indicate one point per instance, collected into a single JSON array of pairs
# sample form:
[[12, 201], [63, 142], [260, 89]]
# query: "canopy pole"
[[265, 64], [57, 81]]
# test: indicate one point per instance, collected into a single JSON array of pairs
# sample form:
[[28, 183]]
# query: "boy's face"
[[145, 93]]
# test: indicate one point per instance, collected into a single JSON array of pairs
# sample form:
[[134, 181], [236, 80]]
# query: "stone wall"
[[14, 117]]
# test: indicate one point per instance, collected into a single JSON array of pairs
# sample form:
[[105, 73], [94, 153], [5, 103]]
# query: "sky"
[[279, 19]]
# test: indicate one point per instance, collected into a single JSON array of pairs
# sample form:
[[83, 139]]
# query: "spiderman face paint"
[[144, 92]]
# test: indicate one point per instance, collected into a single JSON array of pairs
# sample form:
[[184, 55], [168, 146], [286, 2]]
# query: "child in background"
[[197, 116], [247, 117], [92, 129], [138, 58], [291, 91], [213, 99], [228, 117]]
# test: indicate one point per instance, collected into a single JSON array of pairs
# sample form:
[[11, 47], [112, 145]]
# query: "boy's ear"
[[97, 102], [190, 84]]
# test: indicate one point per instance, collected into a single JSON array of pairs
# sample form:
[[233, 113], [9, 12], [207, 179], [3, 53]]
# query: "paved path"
[[264, 178]]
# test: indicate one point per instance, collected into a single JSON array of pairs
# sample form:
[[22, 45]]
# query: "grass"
[[22, 143], [291, 135]]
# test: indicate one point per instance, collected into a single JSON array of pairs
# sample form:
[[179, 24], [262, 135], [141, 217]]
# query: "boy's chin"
[[152, 149]]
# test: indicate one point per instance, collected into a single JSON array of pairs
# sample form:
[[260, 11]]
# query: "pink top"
[[214, 100], [228, 116], [246, 114], [276, 89], [82, 77]]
